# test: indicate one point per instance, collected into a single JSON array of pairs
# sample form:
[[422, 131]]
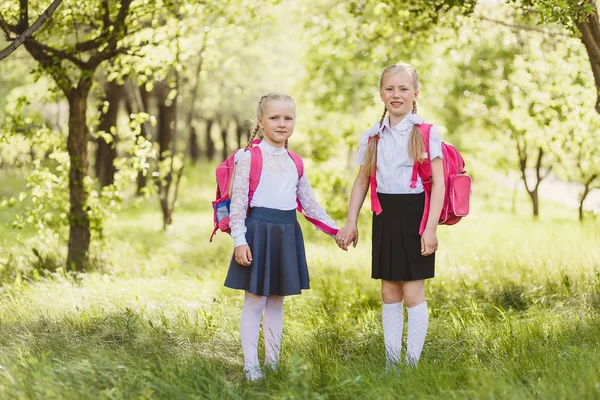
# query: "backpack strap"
[[425, 130], [300, 168], [424, 170], [375, 204], [298, 162], [256, 163]]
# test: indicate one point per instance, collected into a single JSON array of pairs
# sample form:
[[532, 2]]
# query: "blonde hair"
[[415, 141], [260, 111]]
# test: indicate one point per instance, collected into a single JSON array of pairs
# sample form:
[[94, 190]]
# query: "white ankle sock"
[[418, 321], [249, 329], [272, 329], [393, 323]]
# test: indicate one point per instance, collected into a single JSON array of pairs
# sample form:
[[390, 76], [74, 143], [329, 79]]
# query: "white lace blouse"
[[279, 185], [394, 166]]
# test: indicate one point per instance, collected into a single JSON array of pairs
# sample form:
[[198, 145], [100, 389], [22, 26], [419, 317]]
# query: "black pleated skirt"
[[278, 256], [396, 252]]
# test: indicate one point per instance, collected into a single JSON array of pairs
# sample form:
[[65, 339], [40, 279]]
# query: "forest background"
[[114, 115]]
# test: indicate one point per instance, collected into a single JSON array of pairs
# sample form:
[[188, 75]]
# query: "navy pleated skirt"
[[396, 252], [278, 256]]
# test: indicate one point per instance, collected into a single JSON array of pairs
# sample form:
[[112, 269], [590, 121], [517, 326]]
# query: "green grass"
[[515, 313]]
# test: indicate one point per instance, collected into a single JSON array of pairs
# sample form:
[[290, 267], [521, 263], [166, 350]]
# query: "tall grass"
[[515, 310]]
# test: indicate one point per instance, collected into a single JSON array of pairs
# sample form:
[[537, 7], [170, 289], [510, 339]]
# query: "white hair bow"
[[415, 119]]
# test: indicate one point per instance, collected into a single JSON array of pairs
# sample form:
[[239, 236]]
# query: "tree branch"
[[23, 15], [6, 27], [123, 12], [538, 168], [118, 33], [522, 152], [60, 53], [101, 38], [106, 15], [62, 80], [524, 27], [29, 31]]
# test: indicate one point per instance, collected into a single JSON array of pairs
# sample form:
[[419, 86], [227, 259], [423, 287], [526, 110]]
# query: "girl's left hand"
[[429, 242]]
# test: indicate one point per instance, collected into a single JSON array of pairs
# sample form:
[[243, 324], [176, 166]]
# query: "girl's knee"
[[414, 293], [391, 293], [254, 301], [412, 299]]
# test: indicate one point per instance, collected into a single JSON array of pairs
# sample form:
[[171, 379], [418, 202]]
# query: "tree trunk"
[[590, 36], [536, 203], [167, 113], [107, 151], [210, 144], [224, 139], [194, 149], [166, 119], [523, 157], [79, 234], [586, 190]]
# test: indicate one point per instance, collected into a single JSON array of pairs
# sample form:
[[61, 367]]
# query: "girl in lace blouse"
[[401, 257], [269, 260]]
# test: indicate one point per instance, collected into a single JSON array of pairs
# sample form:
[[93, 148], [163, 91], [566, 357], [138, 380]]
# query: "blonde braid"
[[252, 137], [416, 146], [382, 116], [371, 156]]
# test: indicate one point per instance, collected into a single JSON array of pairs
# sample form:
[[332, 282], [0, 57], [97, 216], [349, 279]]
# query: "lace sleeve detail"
[[239, 200], [311, 206]]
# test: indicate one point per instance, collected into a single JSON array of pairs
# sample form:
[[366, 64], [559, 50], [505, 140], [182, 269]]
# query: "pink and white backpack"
[[458, 185], [224, 174]]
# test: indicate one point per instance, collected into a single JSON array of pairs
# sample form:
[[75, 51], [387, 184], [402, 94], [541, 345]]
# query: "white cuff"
[[239, 240]]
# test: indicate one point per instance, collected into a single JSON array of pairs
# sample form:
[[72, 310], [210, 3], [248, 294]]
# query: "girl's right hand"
[[243, 255], [346, 236]]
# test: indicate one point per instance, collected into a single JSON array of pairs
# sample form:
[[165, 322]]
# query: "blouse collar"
[[402, 127], [271, 149]]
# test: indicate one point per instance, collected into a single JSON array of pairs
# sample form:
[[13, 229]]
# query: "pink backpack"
[[224, 173], [458, 185]]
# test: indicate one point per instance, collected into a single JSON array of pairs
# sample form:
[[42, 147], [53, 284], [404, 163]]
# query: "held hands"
[[429, 242], [243, 255], [346, 236]]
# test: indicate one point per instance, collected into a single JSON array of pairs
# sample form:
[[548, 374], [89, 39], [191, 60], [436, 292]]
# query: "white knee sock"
[[272, 329], [249, 329], [418, 321], [393, 322]]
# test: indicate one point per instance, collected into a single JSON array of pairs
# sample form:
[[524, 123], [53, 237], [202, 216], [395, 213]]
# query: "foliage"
[[566, 13], [44, 202], [351, 42], [514, 95]]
